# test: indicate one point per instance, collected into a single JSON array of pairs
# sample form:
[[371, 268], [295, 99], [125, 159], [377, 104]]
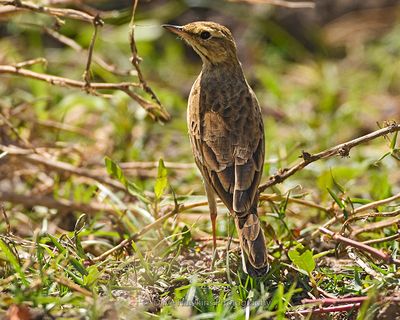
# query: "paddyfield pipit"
[[227, 136]]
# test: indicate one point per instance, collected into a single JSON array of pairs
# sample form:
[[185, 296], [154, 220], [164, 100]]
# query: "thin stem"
[[361, 246], [341, 149]]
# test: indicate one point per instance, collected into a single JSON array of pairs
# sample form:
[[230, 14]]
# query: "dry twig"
[[135, 60], [341, 149], [77, 47], [31, 200], [375, 226], [56, 12], [282, 3], [65, 82], [155, 111], [363, 208], [322, 310], [60, 166], [361, 246], [335, 301], [384, 239]]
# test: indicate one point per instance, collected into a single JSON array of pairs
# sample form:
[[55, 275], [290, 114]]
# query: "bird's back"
[[227, 136]]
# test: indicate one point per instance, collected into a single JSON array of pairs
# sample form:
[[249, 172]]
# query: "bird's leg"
[[212, 204]]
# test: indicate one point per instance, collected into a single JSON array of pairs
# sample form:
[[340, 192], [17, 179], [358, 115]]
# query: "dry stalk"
[[155, 110], [282, 3], [361, 246], [28, 155], [56, 12], [342, 149], [363, 208], [135, 60], [31, 200]]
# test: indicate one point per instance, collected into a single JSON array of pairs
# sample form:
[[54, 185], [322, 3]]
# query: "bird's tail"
[[252, 243]]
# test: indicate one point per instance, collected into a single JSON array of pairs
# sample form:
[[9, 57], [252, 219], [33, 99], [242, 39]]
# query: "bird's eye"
[[205, 35]]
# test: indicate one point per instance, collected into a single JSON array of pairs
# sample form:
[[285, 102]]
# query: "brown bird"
[[227, 136]]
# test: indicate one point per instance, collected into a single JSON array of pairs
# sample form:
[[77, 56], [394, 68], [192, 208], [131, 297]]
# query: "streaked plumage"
[[227, 135]]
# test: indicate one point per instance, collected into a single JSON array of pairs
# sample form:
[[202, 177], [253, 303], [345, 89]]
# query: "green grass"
[[52, 256]]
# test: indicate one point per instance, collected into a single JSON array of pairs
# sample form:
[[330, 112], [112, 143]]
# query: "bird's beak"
[[174, 29]]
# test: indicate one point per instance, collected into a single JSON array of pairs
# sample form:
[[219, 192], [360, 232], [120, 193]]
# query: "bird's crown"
[[213, 42]]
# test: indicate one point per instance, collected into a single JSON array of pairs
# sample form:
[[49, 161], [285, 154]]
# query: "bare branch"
[[363, 208], [60, 166], [375, 226], [65, 127], [281, 3], [341, 149], [154, 111], [77, 47], [135, 60], [370, 215], [384, 239], [154, 165], [276, 197], [64, 82], [86, 74], [31, 200], [322, 310], [56, 12], [335, 300], [73, 286], [361, 246]]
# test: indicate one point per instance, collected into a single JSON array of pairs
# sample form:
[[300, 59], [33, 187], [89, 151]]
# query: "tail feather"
[[252, 243]]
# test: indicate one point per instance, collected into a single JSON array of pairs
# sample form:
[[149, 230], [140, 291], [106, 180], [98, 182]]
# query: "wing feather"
[[228, 148]]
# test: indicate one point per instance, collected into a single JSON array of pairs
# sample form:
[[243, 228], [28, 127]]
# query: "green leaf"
[[162, 181], [336, 198], [75, 263], [187, 237], [303, 260], [148, 275], [12, 259], [115, 171], [383, 157], [360, 200], [92, 276], [79, 226], [283, 205], [337, 184], [393, 142]]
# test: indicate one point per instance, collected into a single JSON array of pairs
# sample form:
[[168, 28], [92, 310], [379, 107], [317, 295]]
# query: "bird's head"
[[213, 42]]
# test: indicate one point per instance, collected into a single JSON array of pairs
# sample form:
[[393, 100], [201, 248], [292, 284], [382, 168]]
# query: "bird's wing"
[[228, 146]]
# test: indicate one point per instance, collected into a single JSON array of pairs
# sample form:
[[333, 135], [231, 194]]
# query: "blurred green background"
[[323, 76]]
